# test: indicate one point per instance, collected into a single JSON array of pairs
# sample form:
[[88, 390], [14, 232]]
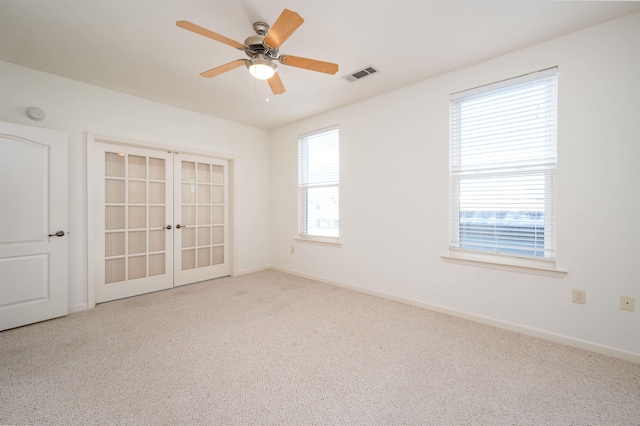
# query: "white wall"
[[394, 196], [76, 108]]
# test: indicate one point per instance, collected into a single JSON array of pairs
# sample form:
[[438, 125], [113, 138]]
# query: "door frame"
[[91, 140]]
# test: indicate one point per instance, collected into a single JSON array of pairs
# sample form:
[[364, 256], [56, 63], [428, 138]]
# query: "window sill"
[[525, 266], [325, 241]]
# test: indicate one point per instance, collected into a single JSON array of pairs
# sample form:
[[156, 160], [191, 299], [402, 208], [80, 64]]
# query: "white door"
[[33, 209], [201, 186], [134, 214], [162, 220]]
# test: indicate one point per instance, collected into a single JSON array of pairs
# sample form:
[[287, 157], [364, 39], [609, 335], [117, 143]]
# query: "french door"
[[162, 220], [201, 234]]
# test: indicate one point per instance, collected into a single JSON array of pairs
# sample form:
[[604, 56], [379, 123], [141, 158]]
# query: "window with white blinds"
[[318, 184], [503, 166]]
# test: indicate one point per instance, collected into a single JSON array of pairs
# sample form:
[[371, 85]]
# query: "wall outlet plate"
[[579, 296], [627, 303]]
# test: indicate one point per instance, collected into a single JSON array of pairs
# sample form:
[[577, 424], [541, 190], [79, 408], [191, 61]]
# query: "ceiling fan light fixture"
[[262, 69]]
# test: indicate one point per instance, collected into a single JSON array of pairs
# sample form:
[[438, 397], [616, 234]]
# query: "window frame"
[[545, 264], [303, 234]]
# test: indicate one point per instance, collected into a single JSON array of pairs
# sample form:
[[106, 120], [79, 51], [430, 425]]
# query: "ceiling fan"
[[262, 50]]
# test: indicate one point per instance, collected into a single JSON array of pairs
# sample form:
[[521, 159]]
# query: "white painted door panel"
[[33, 205]]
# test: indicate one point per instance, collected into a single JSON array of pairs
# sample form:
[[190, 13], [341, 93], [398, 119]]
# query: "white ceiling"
[[135, 47]]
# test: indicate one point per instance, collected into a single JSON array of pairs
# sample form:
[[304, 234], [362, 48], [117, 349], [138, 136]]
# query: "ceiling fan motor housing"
[[261, 28], [255, 43]]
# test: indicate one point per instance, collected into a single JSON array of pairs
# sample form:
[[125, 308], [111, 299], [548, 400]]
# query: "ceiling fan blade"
[[285, 25], [223, 68], [276, 85], [309, 64], [208, 33]]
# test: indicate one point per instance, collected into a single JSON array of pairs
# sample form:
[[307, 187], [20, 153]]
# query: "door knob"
[[57, 234], [167, 227], [180, 226]]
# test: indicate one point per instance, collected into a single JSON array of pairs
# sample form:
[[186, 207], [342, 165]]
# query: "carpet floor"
[[269, 348]]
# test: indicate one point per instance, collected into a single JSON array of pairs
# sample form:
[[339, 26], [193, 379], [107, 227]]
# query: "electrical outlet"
[[579, 296], [293, 250], [627, 303]]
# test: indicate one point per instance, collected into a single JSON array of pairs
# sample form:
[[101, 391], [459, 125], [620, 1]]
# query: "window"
[[318, 185], [503, 167]]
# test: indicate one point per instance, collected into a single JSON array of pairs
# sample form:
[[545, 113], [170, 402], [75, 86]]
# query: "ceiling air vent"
[[357, 75]]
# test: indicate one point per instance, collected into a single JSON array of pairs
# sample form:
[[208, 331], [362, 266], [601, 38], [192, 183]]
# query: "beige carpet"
[[269, 348]]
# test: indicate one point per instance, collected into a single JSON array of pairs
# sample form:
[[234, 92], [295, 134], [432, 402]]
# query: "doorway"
[[161, 220]]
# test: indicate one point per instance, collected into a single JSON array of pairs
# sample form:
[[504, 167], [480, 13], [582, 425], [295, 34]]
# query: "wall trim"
[[529, 331], [77, 308], [251, 270], [504, 266], [115, 140]]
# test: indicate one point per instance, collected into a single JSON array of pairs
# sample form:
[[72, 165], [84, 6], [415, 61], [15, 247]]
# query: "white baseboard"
[[541, 334], [77, 308], [251, 270]]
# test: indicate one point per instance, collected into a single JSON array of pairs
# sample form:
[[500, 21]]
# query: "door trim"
[[91, 140]]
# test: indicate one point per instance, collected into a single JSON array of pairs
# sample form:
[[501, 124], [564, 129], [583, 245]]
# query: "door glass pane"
[[114, 191], [218, 235], [137, 267], [188, 237], [217, 213], [188, 193], [137, 242], [114, 244], [114, 164], [156, 169], [218, 194], [156, 264], [188, 171], [188, 259], [218, 255], [114, 218], [217, 174], [204, 236], [157, 240], [137, 217], [137, 192], [114, 270], [204, 257], [188, 215], [137, 167], [204, 194], [156, 193], [156, 217], [204, 173], [204, 215]]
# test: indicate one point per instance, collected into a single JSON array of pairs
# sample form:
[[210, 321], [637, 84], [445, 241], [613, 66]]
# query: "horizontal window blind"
[[502, 166], [318, 183]]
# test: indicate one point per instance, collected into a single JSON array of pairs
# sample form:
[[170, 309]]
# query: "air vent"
[[357, 75]]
